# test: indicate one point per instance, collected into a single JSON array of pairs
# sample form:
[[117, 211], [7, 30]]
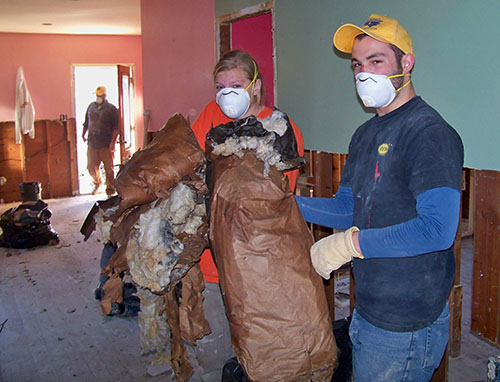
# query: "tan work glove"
[[331, 252]]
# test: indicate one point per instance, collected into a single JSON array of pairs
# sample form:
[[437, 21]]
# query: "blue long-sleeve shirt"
[[433, 229]]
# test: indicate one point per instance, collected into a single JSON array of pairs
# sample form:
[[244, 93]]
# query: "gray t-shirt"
[[101, 121]]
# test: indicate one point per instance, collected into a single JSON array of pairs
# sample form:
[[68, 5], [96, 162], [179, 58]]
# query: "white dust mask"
[[99, 100], [377, 90], [234, 102]]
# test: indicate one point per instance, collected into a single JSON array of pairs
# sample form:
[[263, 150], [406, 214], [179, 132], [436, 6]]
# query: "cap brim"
[[345, 35]]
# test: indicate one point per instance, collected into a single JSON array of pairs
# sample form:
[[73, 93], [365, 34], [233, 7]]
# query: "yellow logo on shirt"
[[383, 149]]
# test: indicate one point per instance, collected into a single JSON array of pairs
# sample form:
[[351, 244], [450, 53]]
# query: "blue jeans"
[[387, 356], [106, 254]]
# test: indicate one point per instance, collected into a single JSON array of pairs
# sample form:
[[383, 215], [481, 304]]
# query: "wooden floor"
[[53, 329]]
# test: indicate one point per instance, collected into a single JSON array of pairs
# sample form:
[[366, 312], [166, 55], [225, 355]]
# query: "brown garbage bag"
[[275, 301], [173, 153]]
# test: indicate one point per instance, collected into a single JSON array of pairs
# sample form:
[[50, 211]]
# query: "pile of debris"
[[159, 226], [27, 226]]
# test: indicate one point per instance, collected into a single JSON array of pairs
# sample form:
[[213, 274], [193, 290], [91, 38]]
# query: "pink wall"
[[255, 36], [178, 53], [47, 59]]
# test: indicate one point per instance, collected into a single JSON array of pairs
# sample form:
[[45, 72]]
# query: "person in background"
[[399, 203], [101, 122], [239, 93]]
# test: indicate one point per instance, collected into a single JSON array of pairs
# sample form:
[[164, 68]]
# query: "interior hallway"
[[55, 331]]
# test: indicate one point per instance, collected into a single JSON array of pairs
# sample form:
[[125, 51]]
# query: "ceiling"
[[119, 17]]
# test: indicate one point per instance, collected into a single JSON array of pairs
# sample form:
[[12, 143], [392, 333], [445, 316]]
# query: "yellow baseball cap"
[[381, 28], [100, 91]]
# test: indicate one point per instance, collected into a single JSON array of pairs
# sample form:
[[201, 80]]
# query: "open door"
[[126, 138]]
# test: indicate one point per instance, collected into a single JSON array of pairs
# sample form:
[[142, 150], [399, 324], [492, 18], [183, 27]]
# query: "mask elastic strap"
[[400, 75], [256, 73]]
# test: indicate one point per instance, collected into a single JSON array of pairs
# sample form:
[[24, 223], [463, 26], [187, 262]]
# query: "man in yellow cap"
[[101, 123], [399, 203]]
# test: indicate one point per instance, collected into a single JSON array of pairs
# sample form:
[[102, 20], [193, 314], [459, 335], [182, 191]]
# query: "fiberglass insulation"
[[160, 227]]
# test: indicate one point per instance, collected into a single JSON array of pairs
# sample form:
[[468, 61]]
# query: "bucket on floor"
[[31, 191]]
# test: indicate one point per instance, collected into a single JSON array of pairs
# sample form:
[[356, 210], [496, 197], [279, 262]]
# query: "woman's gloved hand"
[[331, 252]]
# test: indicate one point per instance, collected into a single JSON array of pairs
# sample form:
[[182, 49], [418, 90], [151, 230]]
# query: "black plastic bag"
[[343, 372], [27, 226], [233, 372], [286, 144]]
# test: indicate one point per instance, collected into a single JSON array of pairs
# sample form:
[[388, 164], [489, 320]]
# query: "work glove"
[[331, 252]]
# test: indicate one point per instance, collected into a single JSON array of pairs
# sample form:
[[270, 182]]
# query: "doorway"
[[251, 30], [118, 81]]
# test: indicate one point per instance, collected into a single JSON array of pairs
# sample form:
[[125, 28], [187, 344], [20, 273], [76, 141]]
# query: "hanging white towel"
[[25, 111]]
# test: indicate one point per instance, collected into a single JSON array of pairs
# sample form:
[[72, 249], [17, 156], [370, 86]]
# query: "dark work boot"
[[116, 309], [99, 291]]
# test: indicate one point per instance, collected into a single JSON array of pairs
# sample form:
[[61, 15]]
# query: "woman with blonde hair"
[[239, 93]]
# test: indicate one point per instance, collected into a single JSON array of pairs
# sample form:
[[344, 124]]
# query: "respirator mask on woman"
[[234, 102], [377, 90]]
